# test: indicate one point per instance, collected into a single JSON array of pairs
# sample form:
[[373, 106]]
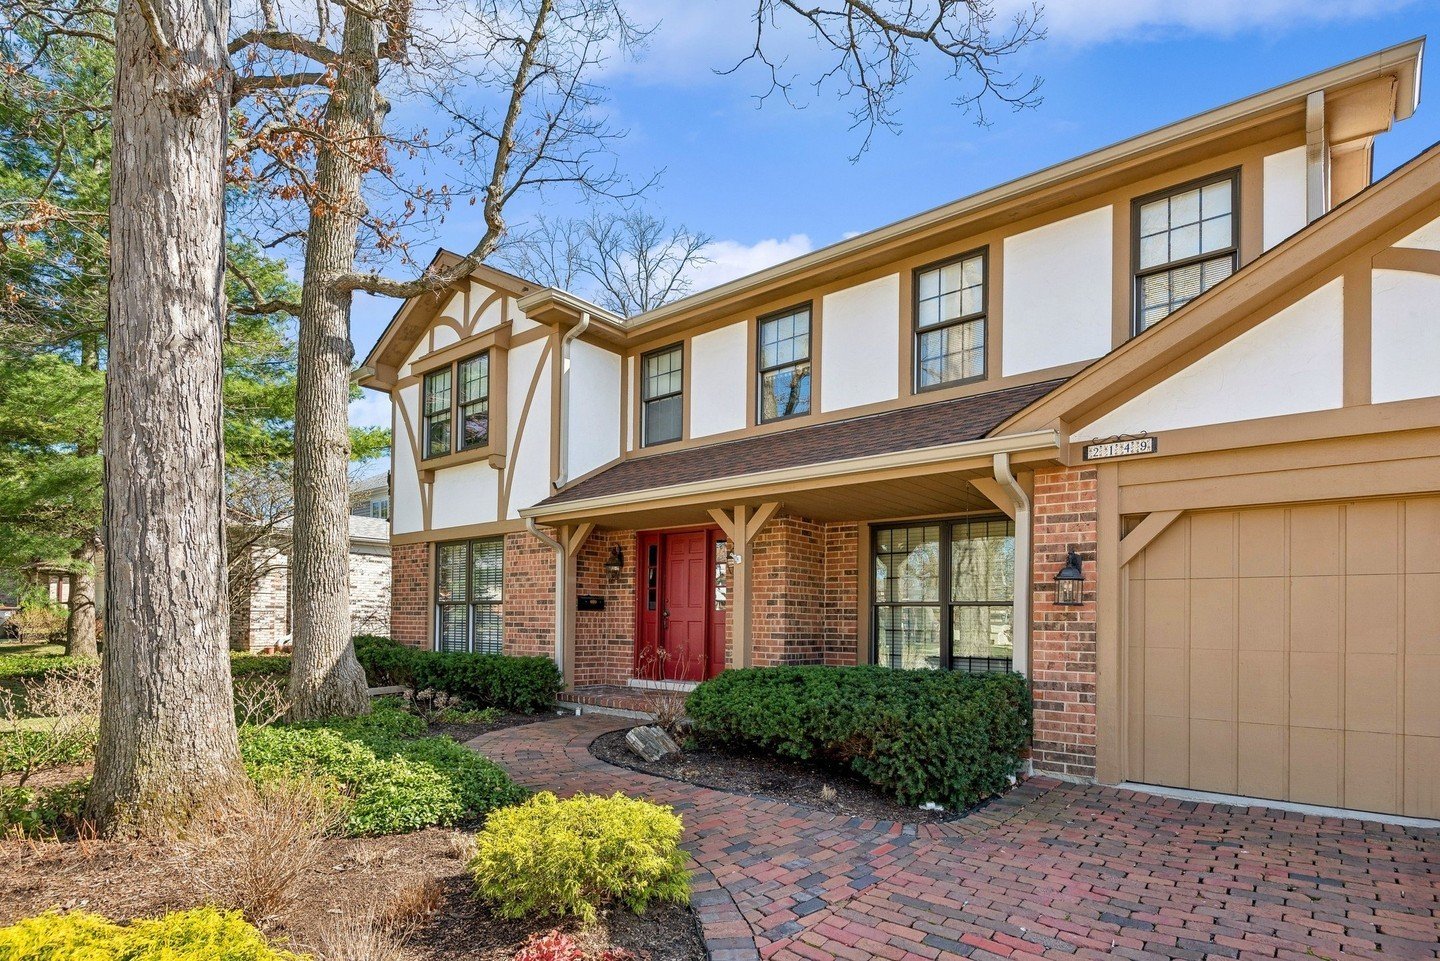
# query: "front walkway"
[[1053, 870]]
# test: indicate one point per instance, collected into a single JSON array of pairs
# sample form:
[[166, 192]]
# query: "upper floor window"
[[950, 322], [438, 414], [784, 364], [662, 383], [474, 401], [1186, 242]]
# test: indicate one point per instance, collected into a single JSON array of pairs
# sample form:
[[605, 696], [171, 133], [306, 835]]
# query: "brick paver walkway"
[[1053, 870]]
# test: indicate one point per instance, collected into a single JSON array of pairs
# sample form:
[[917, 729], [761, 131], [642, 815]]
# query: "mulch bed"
[[124, 880], [468, 732], [780, 779]]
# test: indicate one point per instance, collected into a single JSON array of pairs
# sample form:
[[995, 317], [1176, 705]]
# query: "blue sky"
[[773, 182]]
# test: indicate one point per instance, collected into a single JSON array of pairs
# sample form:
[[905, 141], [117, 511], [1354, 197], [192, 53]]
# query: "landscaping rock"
[[651, 743]]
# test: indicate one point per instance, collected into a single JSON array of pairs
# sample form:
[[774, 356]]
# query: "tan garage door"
[[1291, 653]]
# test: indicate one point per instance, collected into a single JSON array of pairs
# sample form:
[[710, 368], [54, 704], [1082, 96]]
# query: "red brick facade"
[[529, 595], [1062, 640], [842, 592], [605, 640], [787, 613], [411, 606]]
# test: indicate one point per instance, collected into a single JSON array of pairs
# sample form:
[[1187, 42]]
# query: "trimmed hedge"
[[202, 934], [397, 782], [920, 736], [24, 665], [526, 685], [248, 665]]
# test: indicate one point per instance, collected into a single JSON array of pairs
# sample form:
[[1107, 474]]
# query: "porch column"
[[740, 526]]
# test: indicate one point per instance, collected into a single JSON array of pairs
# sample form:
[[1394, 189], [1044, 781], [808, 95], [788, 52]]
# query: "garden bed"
[[465, 731], [124, 880], [793, 782]]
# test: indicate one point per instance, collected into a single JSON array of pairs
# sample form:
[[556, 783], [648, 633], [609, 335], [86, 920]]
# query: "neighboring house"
[[260, 606], [370, 496], [1204, 360]]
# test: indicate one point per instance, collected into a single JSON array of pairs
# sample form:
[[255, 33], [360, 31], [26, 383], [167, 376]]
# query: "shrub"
[[203, 934], [558, 946], [920, 736], [553, 857], [394, 783], [42, 813], [39, 619], [253, 846], [248, 665], [526, 685], [54, 720]]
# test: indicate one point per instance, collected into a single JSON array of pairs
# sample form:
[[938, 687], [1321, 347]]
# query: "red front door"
[[685, 610]]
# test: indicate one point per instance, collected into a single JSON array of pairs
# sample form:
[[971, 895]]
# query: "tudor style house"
[[1158, 427]]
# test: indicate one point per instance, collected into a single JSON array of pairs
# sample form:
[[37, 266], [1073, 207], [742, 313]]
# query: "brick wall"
[[787, 613], [842, 592], [411, 606], [529, 595], [1063, 638], [605, 640], [370, 590]]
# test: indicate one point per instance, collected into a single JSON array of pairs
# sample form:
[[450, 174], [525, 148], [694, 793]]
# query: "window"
[[469, 596], [474, 401], [380, 508], [662, 379], [437, 413], [950, 322], [944, 595], [1185, 243], [784, 364]]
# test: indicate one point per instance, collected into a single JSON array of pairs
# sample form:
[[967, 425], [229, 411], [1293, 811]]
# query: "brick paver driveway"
[[1052, 870]]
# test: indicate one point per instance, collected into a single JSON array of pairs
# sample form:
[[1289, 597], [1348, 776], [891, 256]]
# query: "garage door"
[[1290, 653]]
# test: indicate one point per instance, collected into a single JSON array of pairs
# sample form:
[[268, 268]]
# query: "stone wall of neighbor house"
[[1063, 638], [842, 593], [370, 589], [260, 599], [411, 607], [605, 640], [529, 595]]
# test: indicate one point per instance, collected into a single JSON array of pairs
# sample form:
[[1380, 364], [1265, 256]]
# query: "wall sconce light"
[[1070, 581], [615, 563]]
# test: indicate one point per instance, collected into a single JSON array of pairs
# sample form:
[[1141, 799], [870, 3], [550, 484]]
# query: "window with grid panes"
[[944, 595], [473, 401], [438, 414], [1186, 242], [662, 385], [950, 322], [469, 596], [783, 341]]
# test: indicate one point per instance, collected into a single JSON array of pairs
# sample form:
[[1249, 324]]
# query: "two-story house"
[[1158, 427]]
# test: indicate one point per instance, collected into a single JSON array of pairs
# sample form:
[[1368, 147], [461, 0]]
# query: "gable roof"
[[1237, 303]]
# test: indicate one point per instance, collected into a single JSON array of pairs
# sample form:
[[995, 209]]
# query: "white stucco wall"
[[1057, 293], [859, 344], [406, 514], [529, 453], [718, 380], [1284, 195], [1426, 238], [1405, 334], [1289, 364], [594, 407], [464, 494]]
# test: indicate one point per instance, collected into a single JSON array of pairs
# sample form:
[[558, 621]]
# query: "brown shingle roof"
[[910, 428]]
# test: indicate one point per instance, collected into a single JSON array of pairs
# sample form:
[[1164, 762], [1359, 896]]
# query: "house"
[[260, 585], [1157, 427], [370, 496]]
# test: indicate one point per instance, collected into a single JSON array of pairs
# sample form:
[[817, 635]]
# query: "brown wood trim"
[[1110, 706], [463, 532], [1415, 259], [1357, 335], [495, 337], [991, 490], [864, 596], [1146, 531], [521, 424]]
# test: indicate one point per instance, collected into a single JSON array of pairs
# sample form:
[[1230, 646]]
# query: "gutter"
[[563, 400], [1040, 440], [1024, 563], [559, 550]]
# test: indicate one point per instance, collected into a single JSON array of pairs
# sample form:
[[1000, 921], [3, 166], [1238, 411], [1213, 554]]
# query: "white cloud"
[[370, 409], [729, 259]]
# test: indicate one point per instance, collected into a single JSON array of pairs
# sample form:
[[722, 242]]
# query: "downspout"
[[1023, 562], [563, 400], [559, 590]]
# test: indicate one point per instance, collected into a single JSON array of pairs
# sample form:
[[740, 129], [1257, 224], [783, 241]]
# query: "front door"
[[685, 609]]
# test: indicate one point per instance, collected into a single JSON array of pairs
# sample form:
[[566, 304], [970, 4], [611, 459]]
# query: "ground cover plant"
[[940, 737], [203, 934]]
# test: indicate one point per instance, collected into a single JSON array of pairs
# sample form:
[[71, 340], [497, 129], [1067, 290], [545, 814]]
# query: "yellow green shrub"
[[203, 934], [549, 857]]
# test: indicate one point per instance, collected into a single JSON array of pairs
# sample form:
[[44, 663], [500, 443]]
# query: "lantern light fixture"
[[615, 563], [1070, 582]]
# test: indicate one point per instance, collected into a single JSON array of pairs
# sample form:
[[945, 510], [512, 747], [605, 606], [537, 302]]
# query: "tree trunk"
[[325, 677], [80, 637], [167, 723]]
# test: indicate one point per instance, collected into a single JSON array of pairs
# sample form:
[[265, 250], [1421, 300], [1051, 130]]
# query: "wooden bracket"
[[1146, 531], [573, 538]]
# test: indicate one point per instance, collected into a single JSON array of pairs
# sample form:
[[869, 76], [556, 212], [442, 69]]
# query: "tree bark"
[[167, 724], [325, 677], [80, 633]]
